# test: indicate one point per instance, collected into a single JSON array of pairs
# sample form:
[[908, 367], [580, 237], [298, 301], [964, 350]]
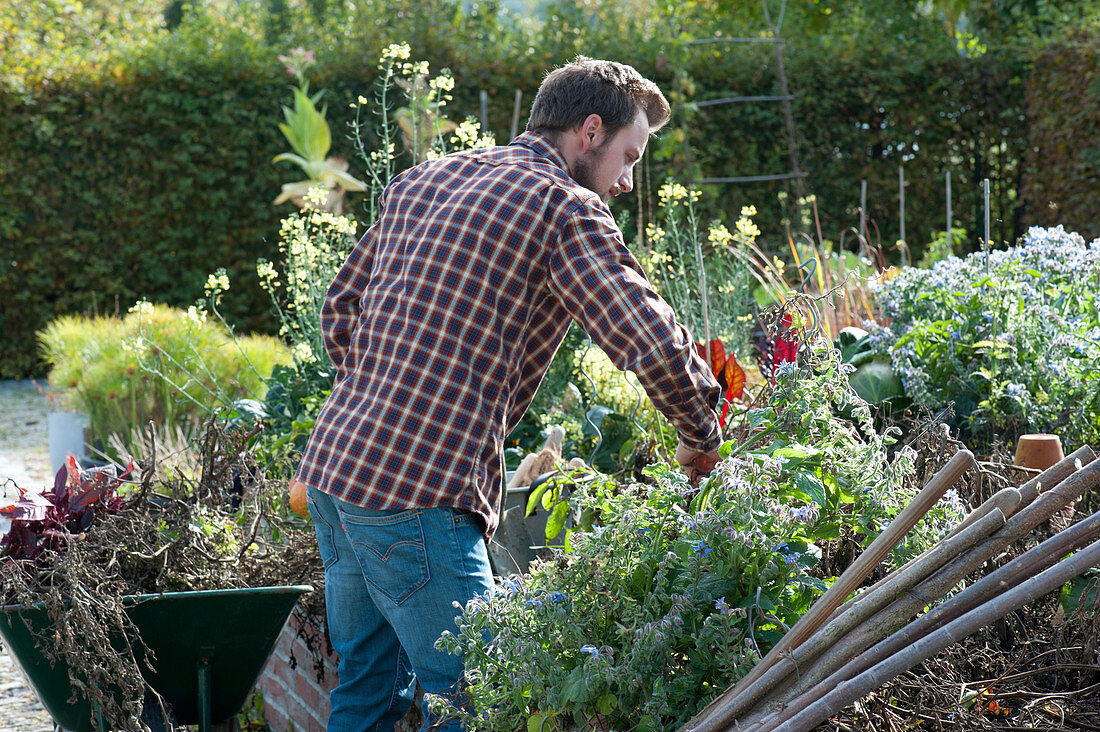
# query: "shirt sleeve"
[[340, 310], [602, 286]]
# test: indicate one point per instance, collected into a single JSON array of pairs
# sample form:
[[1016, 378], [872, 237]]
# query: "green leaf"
[[766, 603], [827, 531], [852, 341], [541, 722], [574, 687], [588, 515], [758, 417], [536, 495], [594, 418], [657, 470], [814, 488], [809, 558], [556, 522], [1081, 592], [876, 382]]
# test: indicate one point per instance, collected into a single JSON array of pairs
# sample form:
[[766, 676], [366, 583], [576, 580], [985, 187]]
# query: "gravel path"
[[24, 462], [24, 452]]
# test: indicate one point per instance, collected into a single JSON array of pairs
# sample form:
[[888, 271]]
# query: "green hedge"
[[138, 177], [1063, 109], [135, 186]]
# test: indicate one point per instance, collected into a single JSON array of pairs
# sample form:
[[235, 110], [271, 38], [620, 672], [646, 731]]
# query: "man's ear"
[[592, 129]]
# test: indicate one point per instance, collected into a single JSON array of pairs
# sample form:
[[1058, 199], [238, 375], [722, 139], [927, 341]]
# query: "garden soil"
[[24, 462]]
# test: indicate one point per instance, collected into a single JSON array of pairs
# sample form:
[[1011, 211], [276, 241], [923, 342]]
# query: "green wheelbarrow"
[[210, 648]]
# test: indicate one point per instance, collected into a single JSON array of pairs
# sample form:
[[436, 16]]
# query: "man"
[[441, 323]]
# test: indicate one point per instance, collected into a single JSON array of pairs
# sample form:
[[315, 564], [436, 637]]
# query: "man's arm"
[[340, 310], [605, 290]]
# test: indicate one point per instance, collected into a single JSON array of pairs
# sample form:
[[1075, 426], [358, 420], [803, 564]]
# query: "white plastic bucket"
[[66, 437]]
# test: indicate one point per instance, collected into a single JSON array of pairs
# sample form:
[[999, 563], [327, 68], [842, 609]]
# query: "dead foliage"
[[227, 527]]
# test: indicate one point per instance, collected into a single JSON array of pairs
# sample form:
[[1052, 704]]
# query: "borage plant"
[[1008, 339], [648, 614]]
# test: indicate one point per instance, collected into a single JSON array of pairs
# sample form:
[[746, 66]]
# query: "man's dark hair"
[[614, 91]]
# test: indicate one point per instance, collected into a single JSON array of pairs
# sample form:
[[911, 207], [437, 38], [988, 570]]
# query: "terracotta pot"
[[1038, 451]]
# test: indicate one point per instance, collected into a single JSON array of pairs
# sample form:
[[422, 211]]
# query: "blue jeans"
[[391, 581]]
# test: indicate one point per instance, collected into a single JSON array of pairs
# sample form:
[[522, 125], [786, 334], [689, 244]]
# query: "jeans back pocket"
[[390, 550]]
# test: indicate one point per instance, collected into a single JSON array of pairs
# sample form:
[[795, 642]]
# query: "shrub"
[[1010, 341], [156, 363]]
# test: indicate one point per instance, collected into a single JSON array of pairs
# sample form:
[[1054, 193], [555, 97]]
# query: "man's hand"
[[696, 463]]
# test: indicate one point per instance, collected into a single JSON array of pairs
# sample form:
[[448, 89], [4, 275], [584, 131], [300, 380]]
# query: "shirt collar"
[[543, 147]]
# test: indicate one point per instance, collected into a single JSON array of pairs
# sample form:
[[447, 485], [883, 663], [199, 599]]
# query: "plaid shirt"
[[446, 315]]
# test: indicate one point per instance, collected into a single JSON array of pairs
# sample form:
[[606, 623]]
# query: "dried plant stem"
[[1034, 588], [719, 713], [1030, 563]]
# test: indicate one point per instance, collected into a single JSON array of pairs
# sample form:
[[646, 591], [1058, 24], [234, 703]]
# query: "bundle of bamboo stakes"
[[841, 651]]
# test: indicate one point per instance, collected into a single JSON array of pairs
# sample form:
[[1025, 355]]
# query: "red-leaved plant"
[[44, 521]]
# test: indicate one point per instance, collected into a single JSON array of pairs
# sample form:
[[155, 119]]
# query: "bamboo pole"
[[1035, 560], [1034, 588], [947, 188], [516, 107], [889, 619], [898, 583], [901, 213], [715, 716]]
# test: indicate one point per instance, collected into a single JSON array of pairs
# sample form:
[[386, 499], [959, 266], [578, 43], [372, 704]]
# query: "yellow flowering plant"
[[425, 133], [695, 266]]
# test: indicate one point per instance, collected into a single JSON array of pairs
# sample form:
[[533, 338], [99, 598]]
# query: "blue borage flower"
[[701, 548], [784, 369], [951, 498], [510, 585], [592, 651]]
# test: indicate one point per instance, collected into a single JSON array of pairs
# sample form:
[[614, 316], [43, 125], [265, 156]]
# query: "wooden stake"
[[889, 619], [1006, 500], [859, 610]]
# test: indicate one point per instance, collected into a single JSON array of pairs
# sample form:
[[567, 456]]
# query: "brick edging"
[[294, 699]]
